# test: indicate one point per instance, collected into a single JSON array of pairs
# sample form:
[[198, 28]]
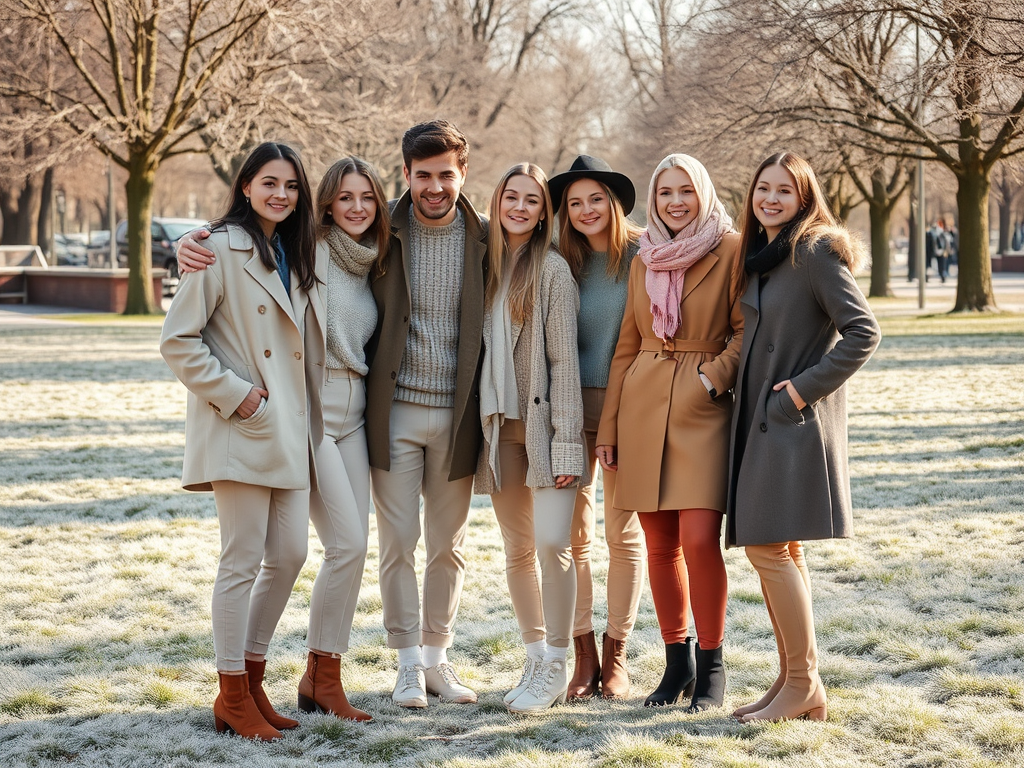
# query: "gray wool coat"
[[788, 469]]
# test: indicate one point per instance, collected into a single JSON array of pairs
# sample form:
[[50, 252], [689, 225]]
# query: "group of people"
[[344, 347]]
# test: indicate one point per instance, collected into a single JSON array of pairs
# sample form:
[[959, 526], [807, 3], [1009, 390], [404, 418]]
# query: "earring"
[[247, 201]]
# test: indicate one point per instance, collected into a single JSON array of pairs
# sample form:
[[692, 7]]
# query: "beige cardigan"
[[229, 327], [554, 403]]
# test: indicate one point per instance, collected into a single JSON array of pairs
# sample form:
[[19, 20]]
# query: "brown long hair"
[[330, 188], [622, 234], [527, 268], [297, 232], [813, 222]]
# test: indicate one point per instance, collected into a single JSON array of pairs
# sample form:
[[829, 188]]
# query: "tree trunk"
[[1005, 216], [44, 225], [9, 212], [974, 277], [880, 215], [141, 177], [27, 219]]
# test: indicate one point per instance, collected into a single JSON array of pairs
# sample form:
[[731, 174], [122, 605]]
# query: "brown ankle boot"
[[614, 675], [256, 670], [320, 689], [586, 676], [235, 711]]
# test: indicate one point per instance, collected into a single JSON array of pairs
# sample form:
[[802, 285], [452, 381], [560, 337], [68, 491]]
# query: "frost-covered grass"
[[106, 570]]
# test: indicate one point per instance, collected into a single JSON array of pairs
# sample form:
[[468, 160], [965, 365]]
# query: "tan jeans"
[[263, 536], [622, 531], [340, 511], [538, 554], [419, 446]]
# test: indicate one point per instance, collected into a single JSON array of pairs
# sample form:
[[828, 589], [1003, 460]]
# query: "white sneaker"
[[445, 684], [548, 687], [529, 669], [410, 688]]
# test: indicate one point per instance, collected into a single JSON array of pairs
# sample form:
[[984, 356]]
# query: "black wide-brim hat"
[[587, 167]]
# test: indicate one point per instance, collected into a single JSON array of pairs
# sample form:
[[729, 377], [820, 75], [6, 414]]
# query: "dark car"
[[166, 234]]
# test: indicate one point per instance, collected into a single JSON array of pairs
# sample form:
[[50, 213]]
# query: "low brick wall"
[[102, 290], [1008, 262]]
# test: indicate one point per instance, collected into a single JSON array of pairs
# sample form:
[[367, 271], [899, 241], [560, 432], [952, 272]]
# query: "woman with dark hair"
[[246, 339], [532, 417], [808, 330], [353, 235], [665, 425], [599, 243]]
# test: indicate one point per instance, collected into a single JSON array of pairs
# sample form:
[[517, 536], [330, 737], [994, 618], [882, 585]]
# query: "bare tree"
[[972, 66], [141, 79]]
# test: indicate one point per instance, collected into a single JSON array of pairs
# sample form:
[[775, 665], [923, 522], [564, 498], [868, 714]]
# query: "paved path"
[[29, 315]]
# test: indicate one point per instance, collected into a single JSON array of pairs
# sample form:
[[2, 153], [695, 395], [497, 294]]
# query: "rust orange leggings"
[[686, 570]]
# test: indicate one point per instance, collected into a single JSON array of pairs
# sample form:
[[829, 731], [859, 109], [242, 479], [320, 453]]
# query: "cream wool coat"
[[232, 326], [554, 406]]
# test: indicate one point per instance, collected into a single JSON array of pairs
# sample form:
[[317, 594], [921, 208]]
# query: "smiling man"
[[422, 411]]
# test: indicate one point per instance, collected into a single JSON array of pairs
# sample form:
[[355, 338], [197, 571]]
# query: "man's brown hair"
[[433, 138]]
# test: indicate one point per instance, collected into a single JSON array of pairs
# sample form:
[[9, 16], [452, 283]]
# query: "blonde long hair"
[[815, 221], [575, 248], [526, 265]]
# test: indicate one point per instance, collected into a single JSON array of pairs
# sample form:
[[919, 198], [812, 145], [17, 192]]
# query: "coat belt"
[[673, 346]]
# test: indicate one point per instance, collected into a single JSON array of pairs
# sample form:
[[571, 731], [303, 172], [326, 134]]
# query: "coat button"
[[298, 355], [261, 309], [536, 401], [266, 353], [405, 319], [764, 427], [393, 375], [771, 347]]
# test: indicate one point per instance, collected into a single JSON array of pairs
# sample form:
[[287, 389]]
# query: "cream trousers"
[[340, 511], [263, 537], [419, 447], [538, 554], [622, 532]]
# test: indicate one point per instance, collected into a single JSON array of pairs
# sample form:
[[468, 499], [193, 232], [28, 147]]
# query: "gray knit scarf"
[[355, 258]]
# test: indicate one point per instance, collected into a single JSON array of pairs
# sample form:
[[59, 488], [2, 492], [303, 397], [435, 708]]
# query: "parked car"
[[69, 252], [166, 234]]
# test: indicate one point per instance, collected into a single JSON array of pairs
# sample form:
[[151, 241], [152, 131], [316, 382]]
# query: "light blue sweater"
[[602, 302]]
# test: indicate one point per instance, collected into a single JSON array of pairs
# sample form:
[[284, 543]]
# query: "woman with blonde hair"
[[599, 242], [808, 330], [532, 416], [665, 425]]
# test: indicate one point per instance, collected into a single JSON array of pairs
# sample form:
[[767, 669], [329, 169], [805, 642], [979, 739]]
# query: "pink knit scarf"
[[667, 262]]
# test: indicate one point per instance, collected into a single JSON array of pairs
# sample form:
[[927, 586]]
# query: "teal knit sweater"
[[602, 302]]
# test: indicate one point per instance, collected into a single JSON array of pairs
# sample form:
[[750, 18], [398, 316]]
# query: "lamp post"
[[919, 256], [111, 214]]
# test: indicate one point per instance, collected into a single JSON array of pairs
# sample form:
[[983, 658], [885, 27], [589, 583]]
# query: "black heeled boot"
[[679, 676], [709, 690]]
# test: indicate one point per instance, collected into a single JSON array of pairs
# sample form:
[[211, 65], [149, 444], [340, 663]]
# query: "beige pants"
[[340, 512], [538, 554], [622, 531], [263, 536], [419, 448]]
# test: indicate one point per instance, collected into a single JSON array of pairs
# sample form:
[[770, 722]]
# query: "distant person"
[[598, 242], [246, 338], [531, 410], [1018, 236], [808, 329], [941, 248], [665, 424]]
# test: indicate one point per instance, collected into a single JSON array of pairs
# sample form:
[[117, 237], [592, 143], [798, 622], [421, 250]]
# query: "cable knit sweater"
[[351, 312], [427, 374], [549, 386]]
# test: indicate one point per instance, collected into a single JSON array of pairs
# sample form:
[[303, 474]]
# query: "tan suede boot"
[[320, 689], [235, 711], [586, 675], [255, 669], [614, 675]]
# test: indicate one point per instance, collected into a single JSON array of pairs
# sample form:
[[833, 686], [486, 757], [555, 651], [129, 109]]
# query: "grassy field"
[[106, 572]]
